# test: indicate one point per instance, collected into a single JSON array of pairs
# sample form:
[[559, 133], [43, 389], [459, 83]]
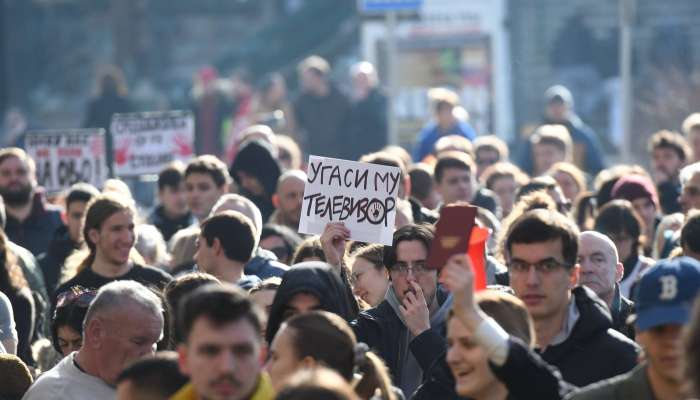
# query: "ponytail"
[[330, 341], [374, 375]]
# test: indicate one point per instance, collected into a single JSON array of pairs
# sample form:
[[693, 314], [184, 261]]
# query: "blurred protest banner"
[[144, 143], [65, 157], [361, 195]]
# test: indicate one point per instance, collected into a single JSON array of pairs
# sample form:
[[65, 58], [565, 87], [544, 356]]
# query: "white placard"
[[65, 157], [144, 143], [361, 195]]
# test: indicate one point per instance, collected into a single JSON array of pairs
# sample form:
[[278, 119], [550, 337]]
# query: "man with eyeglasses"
[[407, 329], [573, 325]]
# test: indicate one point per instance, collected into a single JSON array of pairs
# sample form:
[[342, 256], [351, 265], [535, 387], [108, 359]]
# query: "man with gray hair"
[[288, 199], [122, 324], [601, 270]]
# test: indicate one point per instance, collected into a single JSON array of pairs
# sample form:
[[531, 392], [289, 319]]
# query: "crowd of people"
[[592, 270]]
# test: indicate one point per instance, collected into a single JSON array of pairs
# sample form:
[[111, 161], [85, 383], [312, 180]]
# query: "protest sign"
[[144, 143], [65, 157], [361, 195]]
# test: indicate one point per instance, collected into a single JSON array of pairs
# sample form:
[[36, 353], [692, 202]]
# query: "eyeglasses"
[[541, 267], [417, 267], [76, 295]]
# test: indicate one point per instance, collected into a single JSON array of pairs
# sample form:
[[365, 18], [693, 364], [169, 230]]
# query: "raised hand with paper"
[[458, 277]]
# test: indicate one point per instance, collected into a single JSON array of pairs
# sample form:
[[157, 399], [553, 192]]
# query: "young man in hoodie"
[[171, 214], [408, 328], [573, 326]]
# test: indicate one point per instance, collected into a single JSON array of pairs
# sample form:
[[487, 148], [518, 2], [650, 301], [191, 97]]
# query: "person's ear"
[[308, 362], [216, 246], [276, 200], [182, 358], [264, 349], [407, 186], [94, 235], [94, 332], [619, 272], [574, 275]]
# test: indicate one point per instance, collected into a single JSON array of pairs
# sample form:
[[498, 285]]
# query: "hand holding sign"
[[333, 242]]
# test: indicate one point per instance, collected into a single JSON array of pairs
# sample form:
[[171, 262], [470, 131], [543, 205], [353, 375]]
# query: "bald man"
[[288, 199], [601, 270]]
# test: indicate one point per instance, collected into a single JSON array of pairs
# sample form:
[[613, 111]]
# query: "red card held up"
[[452, 232], [477, 254]]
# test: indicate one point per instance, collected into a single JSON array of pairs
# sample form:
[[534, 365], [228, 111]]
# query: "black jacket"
[[620, 311], [366, 125], [593, 351], [632, 385], [151, 277], [322, 121], [525, 375], [168, 226], [487, 199], [51, 262], [668, 196], [422, 215], [380, 328], [316, 278], [35, 232]]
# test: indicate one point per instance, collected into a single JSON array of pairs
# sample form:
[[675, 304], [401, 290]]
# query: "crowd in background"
[[592, 268]]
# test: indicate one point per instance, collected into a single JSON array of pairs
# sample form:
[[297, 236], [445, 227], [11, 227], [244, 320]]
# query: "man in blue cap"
[[664, 299]]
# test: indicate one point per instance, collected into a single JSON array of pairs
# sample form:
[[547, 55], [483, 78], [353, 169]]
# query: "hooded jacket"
[[316, 278], [51, 262], [383, 331], [256, 159], [168, 226], [593, 351]]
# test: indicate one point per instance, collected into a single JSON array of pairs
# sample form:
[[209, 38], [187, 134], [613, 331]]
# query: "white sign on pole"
[[65, 157], [361, 195], [144, 143]]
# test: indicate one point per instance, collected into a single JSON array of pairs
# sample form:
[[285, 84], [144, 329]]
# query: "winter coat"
[[593, 351], [315, 278]]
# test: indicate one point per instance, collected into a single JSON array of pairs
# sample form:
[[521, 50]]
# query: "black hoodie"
[[256, 159], [593, 351], [316, 278], [51, 262]]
